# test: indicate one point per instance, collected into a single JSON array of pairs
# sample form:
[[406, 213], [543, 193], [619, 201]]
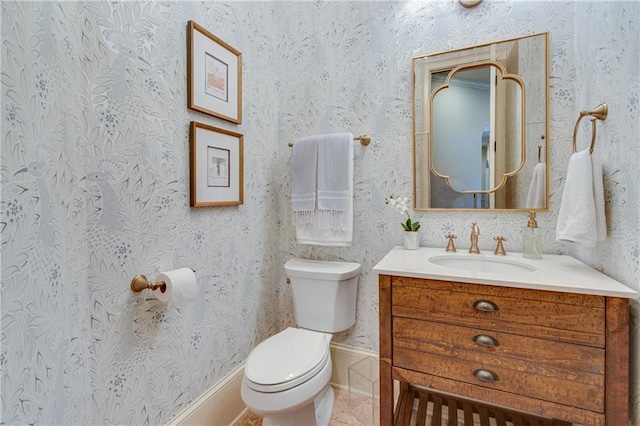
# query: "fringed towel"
[[331, 222], [335, 154], [304, 182], [582, 216]]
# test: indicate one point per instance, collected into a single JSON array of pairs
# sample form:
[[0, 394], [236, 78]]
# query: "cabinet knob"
[[485, 375], [485, 306], [484, 340]]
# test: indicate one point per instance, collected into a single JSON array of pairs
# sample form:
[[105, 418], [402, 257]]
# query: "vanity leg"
[[617, 362], [386, 377], [386, 394]]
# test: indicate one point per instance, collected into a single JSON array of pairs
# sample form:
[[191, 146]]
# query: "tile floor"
[[340, 417]]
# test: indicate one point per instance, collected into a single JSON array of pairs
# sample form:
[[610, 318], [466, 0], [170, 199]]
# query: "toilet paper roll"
[[180, 286]]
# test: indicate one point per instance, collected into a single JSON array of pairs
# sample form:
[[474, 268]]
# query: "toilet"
[[286, 377]]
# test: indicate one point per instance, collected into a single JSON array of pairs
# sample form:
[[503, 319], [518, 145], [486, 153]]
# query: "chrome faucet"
[[475, 233]]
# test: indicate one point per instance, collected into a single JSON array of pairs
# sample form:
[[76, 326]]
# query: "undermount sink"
[[475, 263]]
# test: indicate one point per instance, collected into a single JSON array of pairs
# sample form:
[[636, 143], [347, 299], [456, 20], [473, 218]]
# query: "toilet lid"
[[288, 358]]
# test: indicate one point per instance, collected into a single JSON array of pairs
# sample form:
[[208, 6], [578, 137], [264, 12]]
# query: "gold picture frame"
[[214, 75], [216, 166]]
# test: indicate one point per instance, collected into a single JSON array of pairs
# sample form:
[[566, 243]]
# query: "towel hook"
[[599, 113]]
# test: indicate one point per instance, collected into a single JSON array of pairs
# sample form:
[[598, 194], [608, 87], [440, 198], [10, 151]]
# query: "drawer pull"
[[484, 340], [485, 306], [485, 375]]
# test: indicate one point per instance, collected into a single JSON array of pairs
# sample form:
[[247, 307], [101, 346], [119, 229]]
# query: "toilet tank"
[[324, 293]]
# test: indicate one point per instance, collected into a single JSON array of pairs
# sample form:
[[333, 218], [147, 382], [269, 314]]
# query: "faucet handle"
[[499, 251], [450, 246]]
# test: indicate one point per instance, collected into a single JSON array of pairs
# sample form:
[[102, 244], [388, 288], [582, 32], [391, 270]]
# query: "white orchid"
[[402, 205]]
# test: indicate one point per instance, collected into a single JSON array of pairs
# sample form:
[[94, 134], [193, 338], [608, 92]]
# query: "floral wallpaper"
[[95, 179]]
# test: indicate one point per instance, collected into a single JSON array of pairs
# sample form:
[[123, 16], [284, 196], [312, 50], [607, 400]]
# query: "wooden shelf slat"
[[458, 409]]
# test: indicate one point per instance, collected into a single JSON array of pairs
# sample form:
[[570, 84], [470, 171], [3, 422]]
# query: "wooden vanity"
[[553, 342]]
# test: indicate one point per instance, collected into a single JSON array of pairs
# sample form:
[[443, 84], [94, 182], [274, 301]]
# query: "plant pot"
[[411, 240]]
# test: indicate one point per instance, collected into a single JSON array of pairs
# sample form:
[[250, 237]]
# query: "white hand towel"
[[582, 216], [304, 165], [335, 154], [311, 233], [538, 187], [598, 195]]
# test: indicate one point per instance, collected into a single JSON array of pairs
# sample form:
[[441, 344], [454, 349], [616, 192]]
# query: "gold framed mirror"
[[480, 125]]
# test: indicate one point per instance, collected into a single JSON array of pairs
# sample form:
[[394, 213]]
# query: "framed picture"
[[216, 166], [214, 74]]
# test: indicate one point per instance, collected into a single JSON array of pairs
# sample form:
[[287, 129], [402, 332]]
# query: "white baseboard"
[[222, 405]]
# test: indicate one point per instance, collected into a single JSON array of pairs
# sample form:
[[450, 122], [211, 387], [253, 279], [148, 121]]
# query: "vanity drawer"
[[571, 318], [553, 371]]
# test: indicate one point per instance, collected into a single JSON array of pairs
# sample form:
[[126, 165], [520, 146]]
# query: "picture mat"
[[204, 193], [202, 45]]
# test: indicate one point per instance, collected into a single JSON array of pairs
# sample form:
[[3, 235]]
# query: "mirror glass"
[[480, 127]]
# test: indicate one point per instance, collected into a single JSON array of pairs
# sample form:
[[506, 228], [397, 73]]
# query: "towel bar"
[[600, 113], [365, 140]]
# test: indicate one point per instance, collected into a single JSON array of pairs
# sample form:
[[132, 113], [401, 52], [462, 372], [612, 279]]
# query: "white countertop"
[[552, 272]]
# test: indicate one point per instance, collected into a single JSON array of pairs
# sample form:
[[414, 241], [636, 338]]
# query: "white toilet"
[[286, 377]]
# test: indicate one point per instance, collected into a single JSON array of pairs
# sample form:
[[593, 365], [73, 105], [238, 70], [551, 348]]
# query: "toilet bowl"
[[286, 377]]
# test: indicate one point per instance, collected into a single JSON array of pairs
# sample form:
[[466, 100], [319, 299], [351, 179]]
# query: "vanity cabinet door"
[[536, 368]]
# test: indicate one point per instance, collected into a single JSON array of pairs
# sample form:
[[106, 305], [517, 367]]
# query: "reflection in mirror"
[[463, 130], [480, 117]]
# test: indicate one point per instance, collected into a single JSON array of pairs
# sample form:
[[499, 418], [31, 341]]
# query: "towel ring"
[[593, 134], [600, 113]]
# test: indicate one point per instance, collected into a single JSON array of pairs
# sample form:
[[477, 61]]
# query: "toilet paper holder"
[[140, 282]]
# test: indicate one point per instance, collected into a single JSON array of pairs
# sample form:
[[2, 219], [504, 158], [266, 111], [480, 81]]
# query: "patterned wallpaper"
[[94, 169]]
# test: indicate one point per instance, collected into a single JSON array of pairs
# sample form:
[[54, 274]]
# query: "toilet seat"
[[286, 360]]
